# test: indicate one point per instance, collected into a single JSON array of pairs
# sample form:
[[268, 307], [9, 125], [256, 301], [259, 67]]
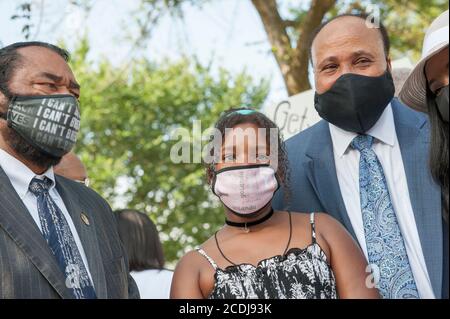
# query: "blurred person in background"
[[145, 253], [72, 167], [400, 75]]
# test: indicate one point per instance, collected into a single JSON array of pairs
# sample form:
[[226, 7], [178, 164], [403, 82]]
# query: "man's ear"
[[389, 64], [3, 105]]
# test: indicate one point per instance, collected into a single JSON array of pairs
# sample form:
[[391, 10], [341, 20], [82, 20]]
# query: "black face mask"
[[442, 103], [355, 102]]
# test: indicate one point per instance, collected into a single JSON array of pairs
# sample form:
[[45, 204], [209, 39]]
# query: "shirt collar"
[[383, 131], [20, 175]]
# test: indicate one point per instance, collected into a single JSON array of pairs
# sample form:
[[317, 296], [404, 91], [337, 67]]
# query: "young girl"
[[261, 253]]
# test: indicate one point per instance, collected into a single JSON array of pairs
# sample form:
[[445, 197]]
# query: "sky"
[[227, 32]]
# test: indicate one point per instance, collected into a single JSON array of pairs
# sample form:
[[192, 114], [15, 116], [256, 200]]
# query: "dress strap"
[[210, 260], [313, 227], [220, 250]]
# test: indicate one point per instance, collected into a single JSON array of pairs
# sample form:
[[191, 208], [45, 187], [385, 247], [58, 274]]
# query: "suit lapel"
[[20, 226], [321, 172], [424, 193], [85, 225]]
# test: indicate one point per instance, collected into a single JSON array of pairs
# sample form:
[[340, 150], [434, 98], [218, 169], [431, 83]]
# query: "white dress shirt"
[[387, 149], [153, 283], [21, 176]]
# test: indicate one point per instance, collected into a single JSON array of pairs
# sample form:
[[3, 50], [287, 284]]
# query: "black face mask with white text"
[[50, 123], [356, 102]]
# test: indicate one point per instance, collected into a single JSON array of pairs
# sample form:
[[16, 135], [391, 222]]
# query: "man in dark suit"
[[58, 238], [365, 163]]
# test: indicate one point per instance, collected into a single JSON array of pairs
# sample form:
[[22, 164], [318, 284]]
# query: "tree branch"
[[293, 62], [291, 23], [278, 37], [309, 24]]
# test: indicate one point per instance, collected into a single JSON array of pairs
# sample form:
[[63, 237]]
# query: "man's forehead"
[[35, 52], [345, 31], [348, 24], [39, 61], [43, 58]]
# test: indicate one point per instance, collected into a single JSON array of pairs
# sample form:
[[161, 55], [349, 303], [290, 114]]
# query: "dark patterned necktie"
[[385, 246], [56, 232]]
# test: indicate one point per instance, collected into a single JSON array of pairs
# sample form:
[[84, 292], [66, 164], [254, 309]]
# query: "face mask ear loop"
[[430, 96], [278, 179], [214, 177]]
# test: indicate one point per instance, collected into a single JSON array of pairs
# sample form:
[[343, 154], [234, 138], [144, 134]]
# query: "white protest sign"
[[294, 114]]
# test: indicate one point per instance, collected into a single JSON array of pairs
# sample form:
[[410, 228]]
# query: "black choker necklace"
[[250, 224]]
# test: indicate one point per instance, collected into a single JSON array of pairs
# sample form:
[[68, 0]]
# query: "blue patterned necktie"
[[385, 246], [56, 232]]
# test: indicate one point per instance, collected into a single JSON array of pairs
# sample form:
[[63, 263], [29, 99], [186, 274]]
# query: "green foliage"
[[405, 20], [127, 117]]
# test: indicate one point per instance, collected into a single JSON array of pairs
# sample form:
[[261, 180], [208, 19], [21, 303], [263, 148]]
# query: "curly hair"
[[232, 118]]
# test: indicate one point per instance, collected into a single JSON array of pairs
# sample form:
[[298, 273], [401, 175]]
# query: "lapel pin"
[[85, 219]]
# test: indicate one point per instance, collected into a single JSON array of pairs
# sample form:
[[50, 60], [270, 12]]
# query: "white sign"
[[294, 114]]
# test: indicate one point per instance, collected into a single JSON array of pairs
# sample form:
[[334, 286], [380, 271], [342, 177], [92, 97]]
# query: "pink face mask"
[[245, 190]]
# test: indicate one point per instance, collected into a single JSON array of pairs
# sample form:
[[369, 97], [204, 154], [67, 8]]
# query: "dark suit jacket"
[[28, 268], [315, 187]]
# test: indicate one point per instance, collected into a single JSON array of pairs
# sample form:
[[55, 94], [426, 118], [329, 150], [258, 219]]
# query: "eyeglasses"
[[86, 182]]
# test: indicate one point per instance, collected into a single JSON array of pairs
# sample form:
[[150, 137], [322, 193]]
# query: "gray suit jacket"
[[28, 268], [315, 186]]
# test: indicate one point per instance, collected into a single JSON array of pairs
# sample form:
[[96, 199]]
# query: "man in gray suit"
[[365, 163], [58, 238]]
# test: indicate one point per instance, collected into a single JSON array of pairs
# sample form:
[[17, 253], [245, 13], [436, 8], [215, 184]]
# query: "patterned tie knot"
[[362, 142], [39, 187]]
